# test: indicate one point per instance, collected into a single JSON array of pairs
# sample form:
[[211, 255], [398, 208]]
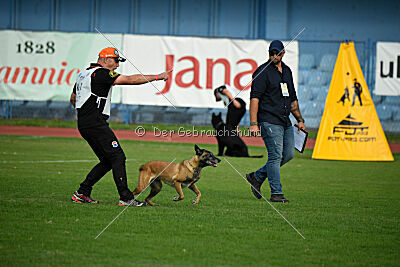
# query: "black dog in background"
[[228, 136]]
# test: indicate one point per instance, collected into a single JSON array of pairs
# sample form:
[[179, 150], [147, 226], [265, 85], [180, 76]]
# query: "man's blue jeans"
[[279, 141]]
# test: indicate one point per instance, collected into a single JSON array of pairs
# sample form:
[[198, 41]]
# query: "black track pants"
[[106, 146]]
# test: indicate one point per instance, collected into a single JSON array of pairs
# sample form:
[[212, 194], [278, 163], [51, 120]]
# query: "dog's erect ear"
[[198, 150], [213, 115], [219, 115]]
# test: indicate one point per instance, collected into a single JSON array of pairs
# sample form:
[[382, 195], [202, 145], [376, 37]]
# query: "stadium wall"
[[248, 19]]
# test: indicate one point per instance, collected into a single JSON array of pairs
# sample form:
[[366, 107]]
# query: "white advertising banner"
[[44, 65], [387, 75], [199, 65]]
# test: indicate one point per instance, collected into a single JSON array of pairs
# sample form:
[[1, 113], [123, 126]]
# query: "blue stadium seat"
[[36, 104], [322, 94], [306, 61], [377, 99], [315, 90], [313, 122], [384, 112], [396, 114], [175, 109], [327, 62], [392, 100], [391, 126], [148, 108], [303, 76], [129, 107], [304, 93], [317, 78], [193, 110], [328, 76], [312, 109], [60, 105], [17, 103], [201, 119]]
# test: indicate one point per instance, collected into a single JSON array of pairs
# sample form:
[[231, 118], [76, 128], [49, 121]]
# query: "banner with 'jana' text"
[[199, 65]]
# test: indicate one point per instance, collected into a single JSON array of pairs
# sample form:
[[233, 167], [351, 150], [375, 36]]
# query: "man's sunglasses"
[[274, 52], [118, 59]]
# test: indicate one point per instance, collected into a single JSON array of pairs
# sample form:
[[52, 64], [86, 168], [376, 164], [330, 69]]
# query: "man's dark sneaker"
[[81, 198], [132, 202], [255, 185], [278, 198]]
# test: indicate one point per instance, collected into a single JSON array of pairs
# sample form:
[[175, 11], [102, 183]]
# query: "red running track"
[[148, 136]]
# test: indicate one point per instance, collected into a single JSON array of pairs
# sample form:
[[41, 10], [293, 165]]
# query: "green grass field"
[[349, 212]]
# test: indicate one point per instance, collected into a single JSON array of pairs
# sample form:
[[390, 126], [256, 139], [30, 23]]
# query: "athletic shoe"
[[278, 198], [255, 185], [132, 202], [81, 198]]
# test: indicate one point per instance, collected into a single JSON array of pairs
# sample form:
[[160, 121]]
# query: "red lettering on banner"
[[239, 76], [35, 72], [69, 76], [25, 76], [42, 76], [5, 80], [54, 77], [53, 72], [210, 65], [169, 65], [195, 70], [15, 77], [59, 79]]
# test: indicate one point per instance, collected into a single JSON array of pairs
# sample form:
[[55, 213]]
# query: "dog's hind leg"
[[144, 179], [156, 186], [194, 188]]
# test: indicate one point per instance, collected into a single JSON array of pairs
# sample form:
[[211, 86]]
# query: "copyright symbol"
[[140, 131]]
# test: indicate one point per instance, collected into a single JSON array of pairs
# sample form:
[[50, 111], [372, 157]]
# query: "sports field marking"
[[302, 30], [105, 228], [54, 161], [134, 66], [266, 200]]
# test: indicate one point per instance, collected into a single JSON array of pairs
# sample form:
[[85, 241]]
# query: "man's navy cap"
[[276, 45]]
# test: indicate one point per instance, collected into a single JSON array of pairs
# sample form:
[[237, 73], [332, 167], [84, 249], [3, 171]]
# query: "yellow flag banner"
[[350, 127]]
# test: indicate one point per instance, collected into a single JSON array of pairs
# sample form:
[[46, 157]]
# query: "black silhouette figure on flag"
[[357, 92], [345, 96]]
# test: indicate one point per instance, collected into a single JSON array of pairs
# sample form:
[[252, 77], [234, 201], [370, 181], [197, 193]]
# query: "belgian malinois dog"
[[178, 175]]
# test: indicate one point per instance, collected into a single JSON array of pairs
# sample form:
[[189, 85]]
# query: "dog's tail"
[[257, 156], [140, 185]]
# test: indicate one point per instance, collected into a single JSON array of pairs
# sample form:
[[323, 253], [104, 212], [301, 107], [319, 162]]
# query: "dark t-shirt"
[[90, 114], [273, 107]]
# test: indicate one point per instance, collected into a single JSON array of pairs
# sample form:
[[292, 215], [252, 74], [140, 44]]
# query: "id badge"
[[285, 91]]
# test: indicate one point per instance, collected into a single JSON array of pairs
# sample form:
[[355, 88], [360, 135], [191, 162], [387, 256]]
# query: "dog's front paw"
[[195, 201]]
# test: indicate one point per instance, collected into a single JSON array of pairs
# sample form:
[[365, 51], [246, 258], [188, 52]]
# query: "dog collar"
[[191, 165]]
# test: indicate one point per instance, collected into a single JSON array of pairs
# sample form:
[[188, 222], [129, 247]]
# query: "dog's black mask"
[[206, 157]]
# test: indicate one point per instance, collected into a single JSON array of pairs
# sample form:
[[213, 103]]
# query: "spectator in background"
[[236, 106]]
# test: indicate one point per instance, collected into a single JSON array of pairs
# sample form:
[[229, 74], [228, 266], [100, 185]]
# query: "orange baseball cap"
[[111, 52]]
